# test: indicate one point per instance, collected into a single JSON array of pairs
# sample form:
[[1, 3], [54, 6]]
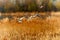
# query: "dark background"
[[27, 5]]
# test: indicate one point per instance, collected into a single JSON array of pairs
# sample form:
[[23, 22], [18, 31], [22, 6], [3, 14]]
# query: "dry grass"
[[36, 29]]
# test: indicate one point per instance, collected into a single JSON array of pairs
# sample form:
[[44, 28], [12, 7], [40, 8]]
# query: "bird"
[[32, 16], [20, 20], [41, 6]]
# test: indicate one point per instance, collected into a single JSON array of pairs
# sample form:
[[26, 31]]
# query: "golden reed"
[[35, 29]]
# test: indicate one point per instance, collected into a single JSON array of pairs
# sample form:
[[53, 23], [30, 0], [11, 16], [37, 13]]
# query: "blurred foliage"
[[32, 7], [27, 7], [8, 7]]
